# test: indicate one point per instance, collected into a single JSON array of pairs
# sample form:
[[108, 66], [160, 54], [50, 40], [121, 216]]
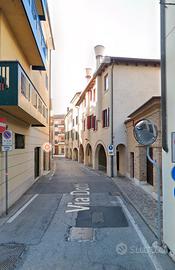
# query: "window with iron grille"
[[19, 141]]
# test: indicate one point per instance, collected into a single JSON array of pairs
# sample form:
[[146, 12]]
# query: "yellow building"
[[26, 42]]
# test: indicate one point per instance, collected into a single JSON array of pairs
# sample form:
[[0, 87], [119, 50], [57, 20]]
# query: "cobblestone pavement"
[[144, 203]]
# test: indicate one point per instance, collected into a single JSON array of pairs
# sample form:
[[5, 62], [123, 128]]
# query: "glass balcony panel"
[[16, 89]]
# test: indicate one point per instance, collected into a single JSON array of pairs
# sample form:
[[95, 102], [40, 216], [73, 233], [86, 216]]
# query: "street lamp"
[[145, 133]]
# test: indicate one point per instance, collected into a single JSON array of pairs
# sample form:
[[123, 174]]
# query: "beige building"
[[139, 168], [59, 134], [71, 129], [118, 87], [25, 47]]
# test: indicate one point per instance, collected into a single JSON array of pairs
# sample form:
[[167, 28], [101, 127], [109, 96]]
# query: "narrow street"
[[75, 218]]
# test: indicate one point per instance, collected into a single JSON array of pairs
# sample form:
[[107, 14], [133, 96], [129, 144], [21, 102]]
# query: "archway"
[[101, 158], [121, 159], [70, 154], [81, 154], [75, 154], [88, 155]]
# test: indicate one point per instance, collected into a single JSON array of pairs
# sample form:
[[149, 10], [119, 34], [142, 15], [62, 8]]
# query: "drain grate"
[[102, 217], [10, 255]]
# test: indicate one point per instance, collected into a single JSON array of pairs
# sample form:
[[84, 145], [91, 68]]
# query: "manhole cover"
[[81, 234], [101, 217]]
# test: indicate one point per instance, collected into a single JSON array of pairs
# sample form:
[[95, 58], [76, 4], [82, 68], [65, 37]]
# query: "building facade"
[[71, 129], [59, 135], [26, 42], [118, 87], [168, 124], [139, 168]]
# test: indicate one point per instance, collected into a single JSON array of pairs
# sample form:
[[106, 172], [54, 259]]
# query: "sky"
[[127, 28]]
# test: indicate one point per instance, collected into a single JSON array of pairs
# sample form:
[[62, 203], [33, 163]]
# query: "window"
[[106, 82], [76, 120], [105, 118], [90, 95], [56, 133], [4, 78], [46, 81], [73, 122], [84, 125], [94, 95], [56, 125], [89, 122], [19, 141], [94, 123]]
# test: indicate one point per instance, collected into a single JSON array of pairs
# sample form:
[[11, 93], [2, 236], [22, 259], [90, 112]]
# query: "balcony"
[[19, 96], [24, 20]]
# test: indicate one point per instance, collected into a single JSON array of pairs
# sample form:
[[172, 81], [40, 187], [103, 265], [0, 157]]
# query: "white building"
[[118, 87], [168, 127]]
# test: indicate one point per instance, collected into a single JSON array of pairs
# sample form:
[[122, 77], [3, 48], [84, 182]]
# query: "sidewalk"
[[142, 201]]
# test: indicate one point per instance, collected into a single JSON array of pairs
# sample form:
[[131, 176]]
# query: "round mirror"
[[145, 132]]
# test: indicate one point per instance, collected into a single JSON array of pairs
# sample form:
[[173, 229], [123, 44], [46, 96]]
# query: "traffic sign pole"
[[6, 181]]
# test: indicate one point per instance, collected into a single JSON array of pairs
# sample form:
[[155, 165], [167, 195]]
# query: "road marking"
[[141, 236], [10, 220], [81, 199]]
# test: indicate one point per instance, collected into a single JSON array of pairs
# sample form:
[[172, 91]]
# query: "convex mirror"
[[145, 132]]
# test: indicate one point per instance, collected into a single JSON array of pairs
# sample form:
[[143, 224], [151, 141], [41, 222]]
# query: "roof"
[[74, 97], [149, 103], [109, 60]]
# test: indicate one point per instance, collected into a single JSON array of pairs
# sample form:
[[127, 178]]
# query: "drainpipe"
[[163, 76], [112, 131]]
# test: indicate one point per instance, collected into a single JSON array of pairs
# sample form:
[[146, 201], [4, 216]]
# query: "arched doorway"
[[70, 155], [101, 158], [121, 159], [88, 155], [75, 154], [81, 154]]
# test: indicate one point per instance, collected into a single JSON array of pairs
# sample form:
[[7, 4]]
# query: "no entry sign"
[[2, 125]]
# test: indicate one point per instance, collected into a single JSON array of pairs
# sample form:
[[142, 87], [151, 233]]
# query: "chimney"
[[88, 74], [99, 52]]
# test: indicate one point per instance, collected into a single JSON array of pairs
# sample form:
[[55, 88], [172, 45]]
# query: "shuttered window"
[[106, 118]]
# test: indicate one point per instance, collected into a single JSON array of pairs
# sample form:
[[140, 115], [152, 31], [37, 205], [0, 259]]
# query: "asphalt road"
[[77, 219]]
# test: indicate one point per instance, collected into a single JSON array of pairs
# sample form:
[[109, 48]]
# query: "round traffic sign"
[[2, 127], [47, 147], [7, 134]]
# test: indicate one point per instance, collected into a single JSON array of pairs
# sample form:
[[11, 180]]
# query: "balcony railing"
[[34, 20], [16, 89]]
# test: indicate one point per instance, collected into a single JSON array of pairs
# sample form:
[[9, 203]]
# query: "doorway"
[[150, 168], [37, 162], [132, 164]]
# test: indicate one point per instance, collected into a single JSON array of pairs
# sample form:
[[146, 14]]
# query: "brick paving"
[[142, 201]]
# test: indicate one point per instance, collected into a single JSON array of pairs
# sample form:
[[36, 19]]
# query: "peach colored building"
[[139, 167]]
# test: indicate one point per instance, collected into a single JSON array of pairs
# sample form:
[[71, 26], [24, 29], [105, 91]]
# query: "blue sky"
[[128, 28]]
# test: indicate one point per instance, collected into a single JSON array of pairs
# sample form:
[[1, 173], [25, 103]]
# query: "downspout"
[[50, 136], [112, 129], [163, 76]]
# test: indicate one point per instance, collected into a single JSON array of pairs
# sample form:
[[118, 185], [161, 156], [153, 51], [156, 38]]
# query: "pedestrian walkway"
[[142, 201]]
